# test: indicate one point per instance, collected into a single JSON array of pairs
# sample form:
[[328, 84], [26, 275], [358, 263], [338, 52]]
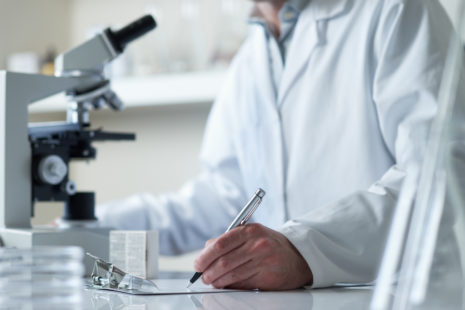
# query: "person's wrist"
[[303, 266]]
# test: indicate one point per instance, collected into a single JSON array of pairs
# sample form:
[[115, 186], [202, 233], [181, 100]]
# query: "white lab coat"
[[352, 112]]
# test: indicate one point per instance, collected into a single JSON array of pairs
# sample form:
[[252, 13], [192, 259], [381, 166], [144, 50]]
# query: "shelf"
[[164, 89]]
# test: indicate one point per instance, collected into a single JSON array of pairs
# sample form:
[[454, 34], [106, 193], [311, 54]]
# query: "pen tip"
[[189, 285]]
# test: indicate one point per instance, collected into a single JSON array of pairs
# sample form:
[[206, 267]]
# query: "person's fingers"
[[209, 242], [258, 258], [240, 274], [227, 262], [219, 247]]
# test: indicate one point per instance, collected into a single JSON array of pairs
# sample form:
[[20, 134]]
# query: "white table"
[[319, 299]]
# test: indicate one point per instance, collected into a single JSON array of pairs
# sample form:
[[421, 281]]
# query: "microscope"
[[34, 158]]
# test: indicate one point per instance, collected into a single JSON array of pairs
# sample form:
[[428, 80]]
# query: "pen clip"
[[251, 211]]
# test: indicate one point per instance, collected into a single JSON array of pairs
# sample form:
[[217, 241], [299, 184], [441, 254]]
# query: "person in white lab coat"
[[326, 106]]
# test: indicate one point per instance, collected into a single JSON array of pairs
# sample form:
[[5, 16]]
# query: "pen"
[[240, 219]]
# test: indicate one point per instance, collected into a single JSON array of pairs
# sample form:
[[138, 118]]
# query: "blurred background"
[[192, 35], [168, 81]]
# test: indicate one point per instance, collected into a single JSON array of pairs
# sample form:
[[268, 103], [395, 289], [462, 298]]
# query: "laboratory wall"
[[23, 29]]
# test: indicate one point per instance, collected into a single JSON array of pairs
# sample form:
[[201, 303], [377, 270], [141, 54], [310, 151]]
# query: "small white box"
[[135, 252]]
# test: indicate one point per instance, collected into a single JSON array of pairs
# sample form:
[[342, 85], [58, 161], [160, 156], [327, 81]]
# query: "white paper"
[[175, 287]]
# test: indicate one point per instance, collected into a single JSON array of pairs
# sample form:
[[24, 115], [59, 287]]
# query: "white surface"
[[335, 298], [184, 88], [173, 287]]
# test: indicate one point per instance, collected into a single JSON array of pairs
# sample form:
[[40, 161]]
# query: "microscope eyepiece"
[[136, 29]]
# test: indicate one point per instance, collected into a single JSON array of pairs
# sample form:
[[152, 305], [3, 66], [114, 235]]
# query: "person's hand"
[[253, 257]]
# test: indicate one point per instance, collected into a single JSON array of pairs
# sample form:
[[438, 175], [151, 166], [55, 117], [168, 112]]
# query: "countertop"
[[331, 298]]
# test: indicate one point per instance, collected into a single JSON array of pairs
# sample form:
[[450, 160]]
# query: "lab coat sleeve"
[[182, 218], [343, 242]]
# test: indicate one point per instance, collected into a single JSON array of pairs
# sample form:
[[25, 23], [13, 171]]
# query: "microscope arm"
[[25, 88], [17, 91]]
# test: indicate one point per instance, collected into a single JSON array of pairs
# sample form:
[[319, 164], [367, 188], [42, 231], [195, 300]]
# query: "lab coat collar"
[[322, 9], [327, 9], [299, 5], [309, 34]]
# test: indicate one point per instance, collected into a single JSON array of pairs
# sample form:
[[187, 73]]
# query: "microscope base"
[[92, 240]]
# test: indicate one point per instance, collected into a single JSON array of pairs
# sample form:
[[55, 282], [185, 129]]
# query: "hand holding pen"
[[253, 257], [241, 219]]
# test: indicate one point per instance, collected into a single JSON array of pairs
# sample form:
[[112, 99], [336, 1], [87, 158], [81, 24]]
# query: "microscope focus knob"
[[52, 170]]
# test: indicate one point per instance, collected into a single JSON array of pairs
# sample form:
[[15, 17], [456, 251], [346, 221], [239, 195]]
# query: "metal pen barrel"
[[248, 209]]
